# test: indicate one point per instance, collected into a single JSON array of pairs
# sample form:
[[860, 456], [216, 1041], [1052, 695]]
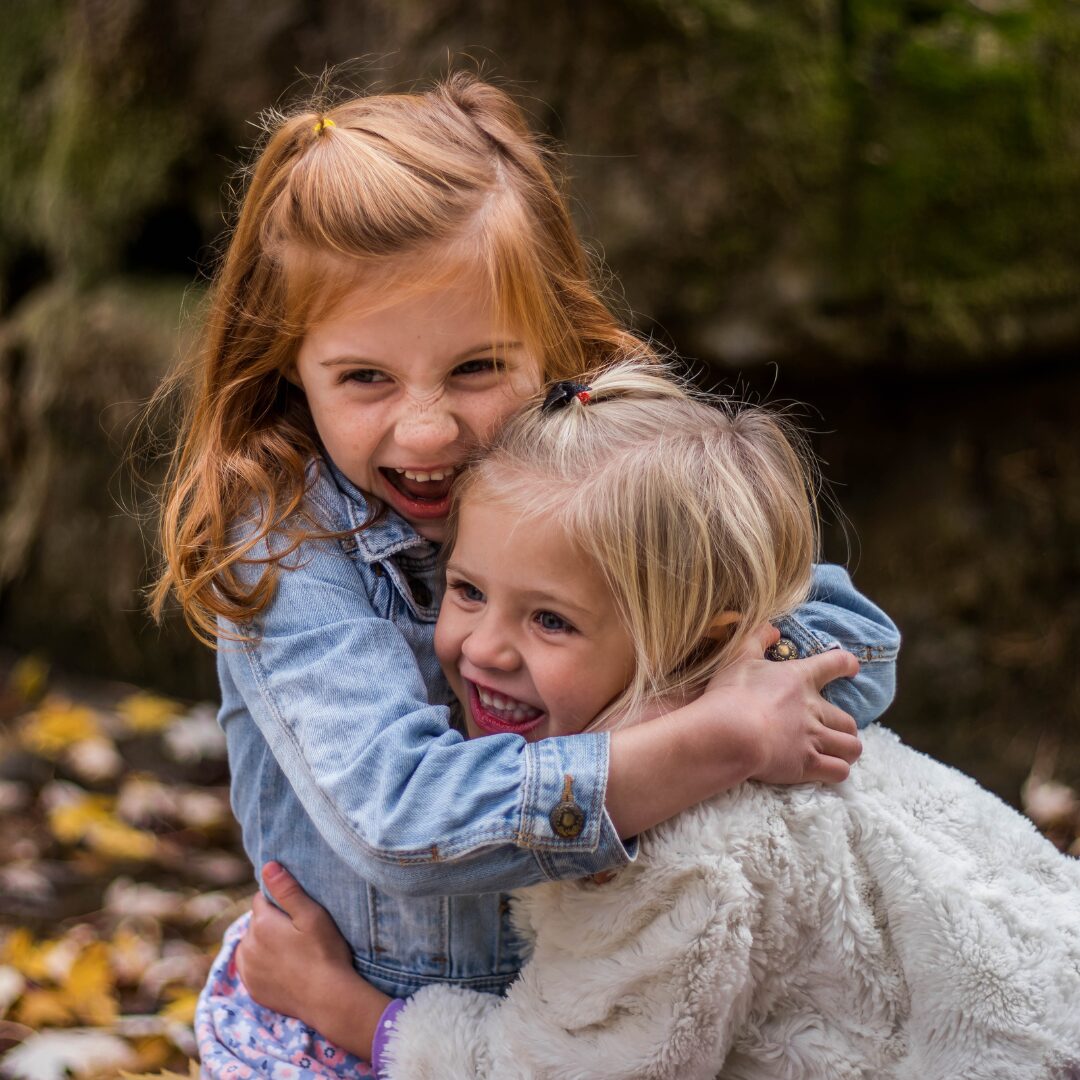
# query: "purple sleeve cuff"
[[384, 1029]]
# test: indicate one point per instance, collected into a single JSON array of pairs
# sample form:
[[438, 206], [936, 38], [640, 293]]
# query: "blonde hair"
[[383, 188], [691, 508]]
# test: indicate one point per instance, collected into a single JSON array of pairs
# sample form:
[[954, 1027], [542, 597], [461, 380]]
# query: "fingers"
[[838, 744], [834, 664], [829, 770], [834, 717], [286, 891]]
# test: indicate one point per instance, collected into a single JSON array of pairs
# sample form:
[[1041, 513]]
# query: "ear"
[[721, 627]]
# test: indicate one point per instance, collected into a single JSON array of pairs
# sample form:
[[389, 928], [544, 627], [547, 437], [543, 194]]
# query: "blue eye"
[[467, 591], [552, 623]]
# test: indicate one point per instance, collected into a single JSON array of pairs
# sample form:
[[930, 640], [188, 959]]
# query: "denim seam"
[[868, 654]]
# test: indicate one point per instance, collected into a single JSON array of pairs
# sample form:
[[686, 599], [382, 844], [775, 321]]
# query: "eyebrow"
[[507, 346]]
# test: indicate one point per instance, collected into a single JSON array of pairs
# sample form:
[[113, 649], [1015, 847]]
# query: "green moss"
[[29, 50], [107, 160]]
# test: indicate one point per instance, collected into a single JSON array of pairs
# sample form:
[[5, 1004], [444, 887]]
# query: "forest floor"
[[121, 867]]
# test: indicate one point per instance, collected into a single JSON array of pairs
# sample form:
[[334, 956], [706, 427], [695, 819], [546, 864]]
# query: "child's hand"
[[794, 735], [296, 962]]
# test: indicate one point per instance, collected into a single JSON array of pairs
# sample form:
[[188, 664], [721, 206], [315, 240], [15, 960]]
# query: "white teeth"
[[409, 474], [515, 710]]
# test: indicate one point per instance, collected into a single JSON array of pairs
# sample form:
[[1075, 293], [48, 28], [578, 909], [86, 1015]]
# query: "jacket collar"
[[388, 535]]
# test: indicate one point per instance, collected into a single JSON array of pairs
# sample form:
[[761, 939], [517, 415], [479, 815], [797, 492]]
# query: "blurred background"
[[871, 206]]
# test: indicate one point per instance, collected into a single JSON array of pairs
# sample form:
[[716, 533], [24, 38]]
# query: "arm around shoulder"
[[336, 691], [837, 615]]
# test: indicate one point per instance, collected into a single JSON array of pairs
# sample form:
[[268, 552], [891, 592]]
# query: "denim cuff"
[[563, 817]]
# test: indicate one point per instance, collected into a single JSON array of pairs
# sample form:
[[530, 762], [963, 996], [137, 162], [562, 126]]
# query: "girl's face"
[[528, 633], [402, 393]]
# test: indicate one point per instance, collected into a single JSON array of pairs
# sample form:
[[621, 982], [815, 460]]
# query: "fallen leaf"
[[57, 724], [94, 760], [51, 1055], [153, 1051], [12, 984], [89, 818], [148, 713], [142, 900], [188, 967], [182, 1009], [88, 988], [25, 880], [29, 677], [120, 841], [196, 737], [191, 1074], [21, 953], [13, 796], [43, 1008], [132, 953]]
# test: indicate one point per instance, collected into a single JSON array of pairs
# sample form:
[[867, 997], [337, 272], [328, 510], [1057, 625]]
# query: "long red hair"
[[398, 183]]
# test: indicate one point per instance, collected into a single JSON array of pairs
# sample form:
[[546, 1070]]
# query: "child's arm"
[[335, 691], [663, 995], [837, 615]]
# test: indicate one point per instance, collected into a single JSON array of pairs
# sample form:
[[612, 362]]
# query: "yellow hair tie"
[[322, 125]]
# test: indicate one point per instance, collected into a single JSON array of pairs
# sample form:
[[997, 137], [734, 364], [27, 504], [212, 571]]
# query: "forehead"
[[525, 553]]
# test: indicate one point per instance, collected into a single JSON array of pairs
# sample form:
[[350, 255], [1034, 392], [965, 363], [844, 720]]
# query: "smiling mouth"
[[498, 714], [433, 486]]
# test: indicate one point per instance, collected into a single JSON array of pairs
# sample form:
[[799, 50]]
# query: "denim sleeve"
[[335, 691], [836, 615]]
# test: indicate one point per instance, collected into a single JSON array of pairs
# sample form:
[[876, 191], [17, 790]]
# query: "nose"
[[426, 429], [489, 645]]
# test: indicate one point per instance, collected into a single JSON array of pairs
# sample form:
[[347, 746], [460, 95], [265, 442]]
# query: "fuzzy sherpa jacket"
[[903, 925]]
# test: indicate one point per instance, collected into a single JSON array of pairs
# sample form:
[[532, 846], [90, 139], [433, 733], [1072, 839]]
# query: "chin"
[[435, 531]]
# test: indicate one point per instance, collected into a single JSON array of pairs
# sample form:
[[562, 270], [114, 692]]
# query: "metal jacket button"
[[567, 819], [784, 649]]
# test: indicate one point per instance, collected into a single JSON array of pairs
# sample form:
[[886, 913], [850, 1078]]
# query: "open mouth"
[[498, 714], [420, 493]]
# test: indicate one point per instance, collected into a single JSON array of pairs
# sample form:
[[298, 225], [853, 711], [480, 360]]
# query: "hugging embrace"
[[418, 437]]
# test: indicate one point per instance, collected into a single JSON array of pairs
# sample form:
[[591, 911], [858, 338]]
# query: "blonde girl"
[[403, 274], [608, 557]]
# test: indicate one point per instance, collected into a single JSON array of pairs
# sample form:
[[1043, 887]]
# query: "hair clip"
[[562, 393], [324, 123]]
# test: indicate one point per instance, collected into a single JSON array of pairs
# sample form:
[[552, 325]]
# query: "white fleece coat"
[[904, 925]]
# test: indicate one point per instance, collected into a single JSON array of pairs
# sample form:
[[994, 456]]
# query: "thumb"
[[287, 893]]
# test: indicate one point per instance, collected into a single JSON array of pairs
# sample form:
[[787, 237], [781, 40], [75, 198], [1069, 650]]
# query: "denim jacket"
[[348, 769]]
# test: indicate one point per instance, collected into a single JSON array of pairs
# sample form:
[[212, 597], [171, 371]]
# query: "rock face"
[[880, 196]]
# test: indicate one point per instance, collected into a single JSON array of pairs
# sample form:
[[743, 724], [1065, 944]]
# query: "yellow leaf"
[[23, 955], [133, 953], [153, 1051], [192, 1074], [182, 1009], [43, 1008], [89, 818], [113, 838], [146, 713], [29, 677], [88, 987], [57, 724], [72, 820]]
